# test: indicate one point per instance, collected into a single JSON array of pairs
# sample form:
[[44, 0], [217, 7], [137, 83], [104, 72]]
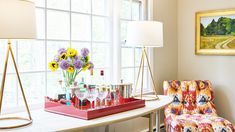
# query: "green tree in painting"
[[211, 29], [233, 27], [224, 26], [203, 31]]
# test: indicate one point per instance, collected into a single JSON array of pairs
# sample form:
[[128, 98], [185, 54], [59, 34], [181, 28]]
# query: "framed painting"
[[215, 32]]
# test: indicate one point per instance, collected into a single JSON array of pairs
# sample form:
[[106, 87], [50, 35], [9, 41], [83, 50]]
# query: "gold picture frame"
[[215, 32]]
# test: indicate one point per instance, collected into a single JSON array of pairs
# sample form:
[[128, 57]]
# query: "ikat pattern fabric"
[[192, 109]]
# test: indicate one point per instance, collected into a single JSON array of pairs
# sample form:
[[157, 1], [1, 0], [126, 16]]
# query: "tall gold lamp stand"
[[145, 34], [28, 120], [141, 71]]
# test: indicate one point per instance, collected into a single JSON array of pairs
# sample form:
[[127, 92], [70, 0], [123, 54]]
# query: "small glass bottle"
[[108, 100], [60, 92], [84, 104], [82, 87], [97, 101], [81, 84]]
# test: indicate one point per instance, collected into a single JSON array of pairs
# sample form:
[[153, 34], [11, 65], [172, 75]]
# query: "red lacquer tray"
[[59, 108]]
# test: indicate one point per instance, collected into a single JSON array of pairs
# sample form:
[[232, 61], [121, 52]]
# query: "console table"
[[45, 121]]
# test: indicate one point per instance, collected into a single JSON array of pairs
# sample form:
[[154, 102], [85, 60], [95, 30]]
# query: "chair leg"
[[158, 121], [151, 122]]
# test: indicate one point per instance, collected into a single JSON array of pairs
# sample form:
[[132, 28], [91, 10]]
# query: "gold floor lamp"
[[17, 21], [145, 34]]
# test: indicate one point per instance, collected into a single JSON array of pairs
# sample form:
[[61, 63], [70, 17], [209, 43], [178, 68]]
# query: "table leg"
[[151, 122], [107, 128], [157, 121]]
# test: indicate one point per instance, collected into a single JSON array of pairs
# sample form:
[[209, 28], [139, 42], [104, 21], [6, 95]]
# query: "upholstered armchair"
[[192, 108]]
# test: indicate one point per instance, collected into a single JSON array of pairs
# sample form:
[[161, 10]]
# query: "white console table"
[[45, 121]]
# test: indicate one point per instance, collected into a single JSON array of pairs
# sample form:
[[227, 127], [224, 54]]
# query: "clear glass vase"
[[69, 84], [68, 95]]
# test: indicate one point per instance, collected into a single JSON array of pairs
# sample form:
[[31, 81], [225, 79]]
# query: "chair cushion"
[[199, 122], [190, 97], [192, 108]]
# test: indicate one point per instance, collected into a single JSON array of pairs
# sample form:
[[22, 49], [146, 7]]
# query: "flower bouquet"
[[71, 63]]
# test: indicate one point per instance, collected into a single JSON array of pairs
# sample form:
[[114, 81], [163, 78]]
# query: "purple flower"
[[91, 65], [57, 58], [84, 52], [64, 64], [77, 64], [62, 50], [77, 57]]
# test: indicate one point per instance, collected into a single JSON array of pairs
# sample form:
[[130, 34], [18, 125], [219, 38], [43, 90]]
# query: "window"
[[131, 10], [76, 23]]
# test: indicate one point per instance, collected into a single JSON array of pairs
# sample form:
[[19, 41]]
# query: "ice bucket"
[[124, 89]]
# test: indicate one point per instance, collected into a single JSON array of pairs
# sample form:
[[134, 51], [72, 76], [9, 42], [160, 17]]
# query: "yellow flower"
[[63, 56], [71, 52], [70, 69], [86, 67], [88, 58], [53, 65]]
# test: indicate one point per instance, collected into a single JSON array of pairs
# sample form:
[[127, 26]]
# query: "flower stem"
[[76, 73]]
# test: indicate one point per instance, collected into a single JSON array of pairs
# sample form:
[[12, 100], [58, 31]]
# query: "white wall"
[[219, 69], [166, 58]]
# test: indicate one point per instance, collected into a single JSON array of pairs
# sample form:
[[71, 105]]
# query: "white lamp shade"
[[17, 19], [144, 34]]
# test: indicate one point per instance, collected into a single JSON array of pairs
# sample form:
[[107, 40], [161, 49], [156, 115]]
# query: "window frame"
[[143, 15], [114, 41]]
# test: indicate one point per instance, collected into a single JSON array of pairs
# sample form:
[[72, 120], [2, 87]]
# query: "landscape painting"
[[215, 32]]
